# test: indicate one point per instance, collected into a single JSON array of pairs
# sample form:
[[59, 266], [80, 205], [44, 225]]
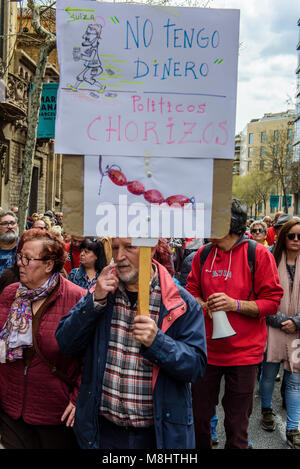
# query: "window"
[[261, 165], [249, 166], [289, 149], [250, 151], [263, 137], [296, 155], [262, 152], [250, 139], [275, 150], [289, 134], [297, 130], [21, 159], [34, 191], [275, 135]]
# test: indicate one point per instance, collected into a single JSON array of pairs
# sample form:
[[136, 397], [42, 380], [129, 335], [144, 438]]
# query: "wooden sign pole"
[[145, 245], [144, 280]]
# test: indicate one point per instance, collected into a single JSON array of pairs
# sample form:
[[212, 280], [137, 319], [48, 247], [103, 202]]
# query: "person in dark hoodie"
[[188, 257], [225, 283]]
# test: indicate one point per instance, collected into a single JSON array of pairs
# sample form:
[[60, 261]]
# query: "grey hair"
[[259, 222], [3, 213]]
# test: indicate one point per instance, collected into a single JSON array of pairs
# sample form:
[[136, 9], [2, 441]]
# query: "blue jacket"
[[78, 276], [178, 354]]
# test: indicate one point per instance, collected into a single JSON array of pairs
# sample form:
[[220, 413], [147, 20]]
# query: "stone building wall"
[[13, 123]]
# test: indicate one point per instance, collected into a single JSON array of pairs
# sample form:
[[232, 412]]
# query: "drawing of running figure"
[[89, 54]]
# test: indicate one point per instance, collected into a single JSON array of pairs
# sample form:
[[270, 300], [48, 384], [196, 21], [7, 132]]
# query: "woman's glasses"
[[292, 236], [25, 260], [257, 230]]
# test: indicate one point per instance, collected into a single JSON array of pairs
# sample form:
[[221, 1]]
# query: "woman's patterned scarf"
[[16, 333]]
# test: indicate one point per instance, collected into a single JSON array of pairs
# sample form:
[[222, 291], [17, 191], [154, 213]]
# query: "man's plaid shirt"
[[127, 382]]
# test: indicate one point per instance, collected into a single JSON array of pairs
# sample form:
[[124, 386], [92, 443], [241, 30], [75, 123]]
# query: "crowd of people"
[[79, 368]]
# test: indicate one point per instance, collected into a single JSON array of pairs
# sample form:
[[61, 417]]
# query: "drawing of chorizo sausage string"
[[153, 196]]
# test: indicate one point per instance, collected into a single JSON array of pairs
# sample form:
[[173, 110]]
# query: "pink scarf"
[[16, 333], [280, 345], [290, 302]]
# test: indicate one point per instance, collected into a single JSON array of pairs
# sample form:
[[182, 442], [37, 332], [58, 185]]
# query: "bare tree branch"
[[46, 48]]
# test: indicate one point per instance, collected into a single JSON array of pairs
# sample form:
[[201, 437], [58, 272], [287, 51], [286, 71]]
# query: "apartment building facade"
[[263, 142], [237, 154]]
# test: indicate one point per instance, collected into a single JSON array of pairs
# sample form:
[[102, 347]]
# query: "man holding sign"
[[135, 391]]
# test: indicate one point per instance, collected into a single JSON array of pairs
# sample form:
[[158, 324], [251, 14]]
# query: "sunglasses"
[[292, 236], [257, 230]]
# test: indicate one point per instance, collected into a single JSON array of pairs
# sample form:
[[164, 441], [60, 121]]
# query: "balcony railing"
[[17, 94]]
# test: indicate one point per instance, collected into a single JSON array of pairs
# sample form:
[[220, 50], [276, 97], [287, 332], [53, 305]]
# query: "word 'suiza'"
[[79, 16]]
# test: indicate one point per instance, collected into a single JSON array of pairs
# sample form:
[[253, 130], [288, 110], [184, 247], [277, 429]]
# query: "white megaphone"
[[221, 326]]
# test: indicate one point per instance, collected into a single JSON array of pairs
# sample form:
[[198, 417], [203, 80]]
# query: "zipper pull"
[[25, 370]]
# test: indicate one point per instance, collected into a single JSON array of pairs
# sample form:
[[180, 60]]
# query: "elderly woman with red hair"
[[38, 383]]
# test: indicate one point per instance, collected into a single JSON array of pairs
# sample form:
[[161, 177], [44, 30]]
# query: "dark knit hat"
[[282, 220]]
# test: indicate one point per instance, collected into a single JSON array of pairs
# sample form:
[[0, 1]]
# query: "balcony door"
[[33, 200]]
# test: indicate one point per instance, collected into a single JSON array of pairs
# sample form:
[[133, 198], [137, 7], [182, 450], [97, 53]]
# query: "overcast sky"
[[268, 58]]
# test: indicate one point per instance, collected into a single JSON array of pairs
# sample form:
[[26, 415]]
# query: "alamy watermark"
[[135, 220]]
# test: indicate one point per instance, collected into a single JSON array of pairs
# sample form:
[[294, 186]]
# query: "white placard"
[[135, 197], [136, 79]]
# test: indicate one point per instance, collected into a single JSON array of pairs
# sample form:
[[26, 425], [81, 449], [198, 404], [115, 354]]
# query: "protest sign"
[[147, 197], [82, 202], [136, 79]]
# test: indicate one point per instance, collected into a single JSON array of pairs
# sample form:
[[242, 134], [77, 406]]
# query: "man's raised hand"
[[107, 282]]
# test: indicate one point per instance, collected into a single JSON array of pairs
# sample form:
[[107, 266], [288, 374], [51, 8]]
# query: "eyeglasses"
[[257, 230], [292, 236], [7, 223], [25, 260]]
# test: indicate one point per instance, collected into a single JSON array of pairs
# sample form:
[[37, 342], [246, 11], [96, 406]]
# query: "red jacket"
[[39, 396], [75, 256], [271, 235], [247, 346]]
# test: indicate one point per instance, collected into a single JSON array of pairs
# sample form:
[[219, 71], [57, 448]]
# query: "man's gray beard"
[[9, 237], [130, 278]]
